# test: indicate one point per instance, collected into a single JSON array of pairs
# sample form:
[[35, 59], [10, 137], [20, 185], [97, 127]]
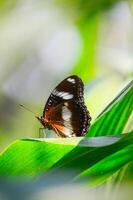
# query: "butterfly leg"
[[42, 133], [57, 132]]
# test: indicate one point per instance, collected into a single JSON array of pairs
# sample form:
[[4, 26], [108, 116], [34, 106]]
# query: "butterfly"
[[65, 111]]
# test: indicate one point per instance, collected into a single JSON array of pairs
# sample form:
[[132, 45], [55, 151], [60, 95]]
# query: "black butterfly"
[[65, 111]]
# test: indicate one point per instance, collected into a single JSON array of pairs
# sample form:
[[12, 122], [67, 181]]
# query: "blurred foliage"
[[86, 64], [82, 10], [31, 50], [7, 5]]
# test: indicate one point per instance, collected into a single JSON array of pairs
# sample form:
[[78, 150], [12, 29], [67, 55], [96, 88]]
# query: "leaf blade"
[[107, 121], [102, 170], [33, 156]]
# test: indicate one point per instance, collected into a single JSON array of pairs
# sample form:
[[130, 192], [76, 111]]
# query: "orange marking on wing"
[[65, 132], [59, 127]]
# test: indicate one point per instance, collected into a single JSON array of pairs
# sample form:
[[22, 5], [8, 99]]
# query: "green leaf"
[[96, 164], [115, 116], [94, 159], [99, 172], [31, 157]]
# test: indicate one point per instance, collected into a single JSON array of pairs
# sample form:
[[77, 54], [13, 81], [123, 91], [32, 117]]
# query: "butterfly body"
[[65, 111]]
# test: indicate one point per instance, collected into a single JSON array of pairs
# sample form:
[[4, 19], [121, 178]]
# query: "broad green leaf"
[[33, 156], [97, 164], [115, 116], [29, 157], [93, 158], [99, 172]]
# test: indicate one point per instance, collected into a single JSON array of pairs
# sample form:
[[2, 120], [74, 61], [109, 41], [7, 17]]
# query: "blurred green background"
[[42, 42]]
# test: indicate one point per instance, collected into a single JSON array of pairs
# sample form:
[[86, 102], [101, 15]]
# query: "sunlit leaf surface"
[[32, 156], [115, 116]]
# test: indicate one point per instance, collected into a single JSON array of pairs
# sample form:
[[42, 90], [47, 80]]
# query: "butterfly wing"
[[69, 88], [69, 119], [65, 110]]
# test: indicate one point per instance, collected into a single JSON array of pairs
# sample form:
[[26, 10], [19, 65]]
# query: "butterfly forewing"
[[65, 111], [69, 88]]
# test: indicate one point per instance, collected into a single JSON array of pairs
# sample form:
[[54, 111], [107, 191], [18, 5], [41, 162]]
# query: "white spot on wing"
[[68, 132], [67, 96], [71, 80], [66, 113], [63, 95], [66, 104], [66, 116]]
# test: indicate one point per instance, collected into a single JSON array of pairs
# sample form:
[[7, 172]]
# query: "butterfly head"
[[41, 120]]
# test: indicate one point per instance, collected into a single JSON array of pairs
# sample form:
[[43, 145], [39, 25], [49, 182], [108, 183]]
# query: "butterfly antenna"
[[36, 115]]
